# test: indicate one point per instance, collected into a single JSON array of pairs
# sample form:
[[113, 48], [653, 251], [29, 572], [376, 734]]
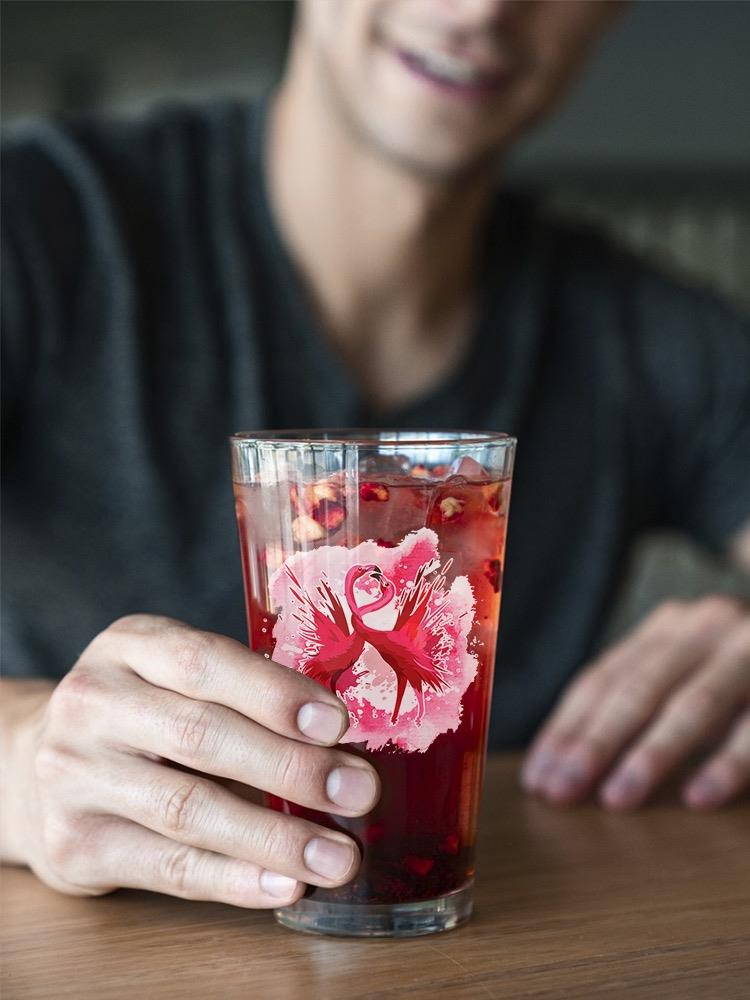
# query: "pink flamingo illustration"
[[409, 647]]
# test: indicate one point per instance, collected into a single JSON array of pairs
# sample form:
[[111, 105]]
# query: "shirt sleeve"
[[689, 403]]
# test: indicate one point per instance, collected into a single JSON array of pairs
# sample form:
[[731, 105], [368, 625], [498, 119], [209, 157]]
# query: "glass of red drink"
[[373, 562]]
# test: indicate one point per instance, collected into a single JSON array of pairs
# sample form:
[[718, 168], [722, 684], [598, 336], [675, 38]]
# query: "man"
[[339, 258]]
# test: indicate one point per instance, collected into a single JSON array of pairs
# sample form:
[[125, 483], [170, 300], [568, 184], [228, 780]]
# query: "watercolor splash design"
[[382, 628]]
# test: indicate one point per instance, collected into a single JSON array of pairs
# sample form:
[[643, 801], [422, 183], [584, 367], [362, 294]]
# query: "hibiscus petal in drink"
[[495, 499], [374, 491], [418, 866], [323, 489], [451, 508], [307, 529], [451, 844], [322, 501], [329, 514], [446, 508]]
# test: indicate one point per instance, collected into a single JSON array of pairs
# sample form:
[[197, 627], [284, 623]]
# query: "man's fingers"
[[711, 696], [620, 694], [132, 857], [726, 774], [201, 813], [568, 718], [213, 668], [218, 741], [682, 640], [584, 699], [588, 691]]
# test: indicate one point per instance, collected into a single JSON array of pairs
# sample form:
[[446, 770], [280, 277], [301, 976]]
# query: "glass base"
[[429, 916]]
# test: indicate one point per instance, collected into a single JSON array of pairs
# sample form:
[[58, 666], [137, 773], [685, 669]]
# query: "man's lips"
[[453, 74]]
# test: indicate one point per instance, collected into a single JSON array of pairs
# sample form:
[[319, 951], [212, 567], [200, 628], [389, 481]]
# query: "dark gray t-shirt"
[[151, 308]]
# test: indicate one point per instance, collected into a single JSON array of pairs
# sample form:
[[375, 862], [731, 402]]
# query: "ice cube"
[[469, 468]]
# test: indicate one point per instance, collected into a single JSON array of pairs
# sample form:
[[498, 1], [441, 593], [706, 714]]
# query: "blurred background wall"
[[654, 145]]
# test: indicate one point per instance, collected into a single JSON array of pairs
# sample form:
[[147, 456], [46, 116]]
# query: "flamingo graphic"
[[411, 647], [326, 630]]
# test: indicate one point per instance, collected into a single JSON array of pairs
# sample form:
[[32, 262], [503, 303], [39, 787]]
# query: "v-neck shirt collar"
[[491, 368]]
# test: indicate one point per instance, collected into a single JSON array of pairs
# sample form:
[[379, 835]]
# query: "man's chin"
[[426, 160]]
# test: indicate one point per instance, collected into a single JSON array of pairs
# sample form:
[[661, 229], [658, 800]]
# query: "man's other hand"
[[115, 780], [678, 686]]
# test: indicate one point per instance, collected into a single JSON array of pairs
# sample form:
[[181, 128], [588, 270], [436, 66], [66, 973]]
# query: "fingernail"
[[320, 722], [535, 768], [352, 788], [328, 858], [705, 791], [625, 788], [277, 885]]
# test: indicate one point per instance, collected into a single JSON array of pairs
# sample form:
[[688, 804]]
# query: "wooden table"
[[575, 903]]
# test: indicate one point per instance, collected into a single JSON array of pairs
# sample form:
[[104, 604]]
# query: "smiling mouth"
[[453, 73]]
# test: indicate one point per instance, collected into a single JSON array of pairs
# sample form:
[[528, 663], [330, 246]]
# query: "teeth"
[[450, 68]]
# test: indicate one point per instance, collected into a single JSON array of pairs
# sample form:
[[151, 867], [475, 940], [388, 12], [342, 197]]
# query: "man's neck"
[[389, 258]]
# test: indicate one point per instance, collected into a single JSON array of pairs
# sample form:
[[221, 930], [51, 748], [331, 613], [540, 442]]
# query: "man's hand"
[[112, 781], [648, 704]]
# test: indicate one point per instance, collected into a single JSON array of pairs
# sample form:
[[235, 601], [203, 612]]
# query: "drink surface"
[[387, 590]]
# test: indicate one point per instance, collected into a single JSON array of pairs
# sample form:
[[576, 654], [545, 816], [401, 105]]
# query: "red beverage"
[[418, 843]]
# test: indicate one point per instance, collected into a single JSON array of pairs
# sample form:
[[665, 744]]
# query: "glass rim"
[[364, 436]]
